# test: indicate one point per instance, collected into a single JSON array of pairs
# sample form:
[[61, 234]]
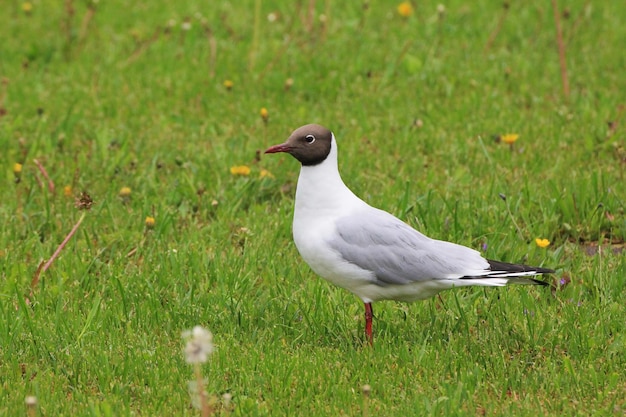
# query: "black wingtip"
[[507, 267]]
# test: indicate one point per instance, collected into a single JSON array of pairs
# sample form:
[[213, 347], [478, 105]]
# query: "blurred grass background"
[[165, 98]]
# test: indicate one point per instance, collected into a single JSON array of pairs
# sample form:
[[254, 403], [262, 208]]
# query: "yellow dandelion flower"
[[240, 170], [265, 173], [228, 84], [509, 138], [150, 222], [67, 191], [125, 192], [17, 172], [542, 243], [27, 7], [405, 9], [264, 114]]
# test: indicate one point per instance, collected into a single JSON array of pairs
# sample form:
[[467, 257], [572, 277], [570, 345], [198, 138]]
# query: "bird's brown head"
[[309, 144]]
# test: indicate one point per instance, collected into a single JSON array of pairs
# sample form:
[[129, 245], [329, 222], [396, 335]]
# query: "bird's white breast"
[[321, 199]]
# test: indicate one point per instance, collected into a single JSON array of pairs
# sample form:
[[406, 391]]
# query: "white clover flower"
[[199, 345]]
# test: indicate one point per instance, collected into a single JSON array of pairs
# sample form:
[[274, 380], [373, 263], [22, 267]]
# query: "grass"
[[114, 95]]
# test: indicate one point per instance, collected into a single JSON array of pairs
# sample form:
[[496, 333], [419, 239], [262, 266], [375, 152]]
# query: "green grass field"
[[119, 94]]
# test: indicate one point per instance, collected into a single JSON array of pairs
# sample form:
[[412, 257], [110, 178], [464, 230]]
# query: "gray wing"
[[398, 254]]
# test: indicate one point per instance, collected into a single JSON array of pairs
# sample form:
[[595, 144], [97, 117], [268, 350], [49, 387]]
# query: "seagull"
[[368, 251]]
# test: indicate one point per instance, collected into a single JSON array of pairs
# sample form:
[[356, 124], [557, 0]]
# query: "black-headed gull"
[[368, 251]]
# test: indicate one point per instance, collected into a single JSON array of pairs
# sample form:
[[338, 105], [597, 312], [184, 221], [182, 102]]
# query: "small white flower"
[[185, 25], [199, 345], [31, 401], [272, 17]]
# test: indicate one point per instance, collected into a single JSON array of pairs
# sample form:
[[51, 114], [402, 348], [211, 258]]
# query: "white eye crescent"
[[309, 138]]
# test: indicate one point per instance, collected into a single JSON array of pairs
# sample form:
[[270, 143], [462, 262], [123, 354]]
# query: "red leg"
[[369, 315]]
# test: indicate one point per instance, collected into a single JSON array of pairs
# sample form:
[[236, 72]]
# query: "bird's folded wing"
[[397, 254]]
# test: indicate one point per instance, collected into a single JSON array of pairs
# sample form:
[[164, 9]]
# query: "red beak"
[[283, 147]]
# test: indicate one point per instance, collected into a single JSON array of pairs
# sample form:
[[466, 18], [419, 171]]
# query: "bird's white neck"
[[320, 187]]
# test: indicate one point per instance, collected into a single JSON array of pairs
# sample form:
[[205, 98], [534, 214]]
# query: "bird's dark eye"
[[309, 138]]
